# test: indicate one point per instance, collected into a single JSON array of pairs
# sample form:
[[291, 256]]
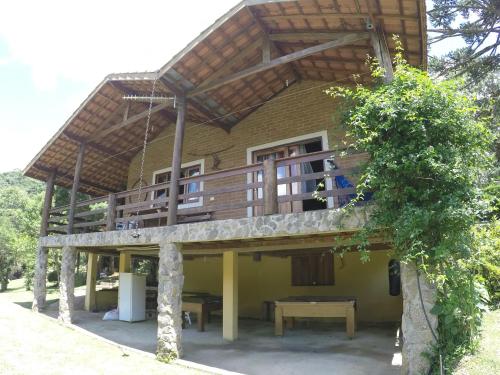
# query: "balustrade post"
[[270, 187], [111, 214]]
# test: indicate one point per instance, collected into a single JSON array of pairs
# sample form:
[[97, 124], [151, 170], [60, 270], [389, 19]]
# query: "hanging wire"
[[136, 234]]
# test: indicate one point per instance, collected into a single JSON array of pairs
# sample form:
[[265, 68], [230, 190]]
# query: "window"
[[165, 176], [313, 269]]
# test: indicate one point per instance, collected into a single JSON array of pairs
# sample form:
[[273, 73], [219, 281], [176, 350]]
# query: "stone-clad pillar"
[[417, 335], [40, 280], [171, 280], [67, 284]]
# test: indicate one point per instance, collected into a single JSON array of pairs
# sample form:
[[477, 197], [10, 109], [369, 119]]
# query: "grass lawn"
[[34, 343], [487, 360]]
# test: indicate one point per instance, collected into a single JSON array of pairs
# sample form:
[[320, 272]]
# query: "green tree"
[[7, 256], [20, 204], [477, 22], [429, 152]]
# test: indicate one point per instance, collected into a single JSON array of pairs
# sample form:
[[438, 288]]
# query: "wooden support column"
[[90, 303], [47, 203], [76, 186], [125, 262], [382, 54], [230, 296], [270, 187], [111, 213], [176, 161], [40, 279]]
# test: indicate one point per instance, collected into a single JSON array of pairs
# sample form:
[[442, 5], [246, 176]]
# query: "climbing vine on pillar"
[[429, 150]]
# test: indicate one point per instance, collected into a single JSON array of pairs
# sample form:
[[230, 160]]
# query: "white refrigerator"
[[132, 297]]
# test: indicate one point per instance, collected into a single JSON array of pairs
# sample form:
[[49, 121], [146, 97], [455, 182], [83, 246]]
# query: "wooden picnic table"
[[315, 307], [201, 304]]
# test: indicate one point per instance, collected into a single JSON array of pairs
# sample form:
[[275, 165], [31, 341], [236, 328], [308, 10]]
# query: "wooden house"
[[240, 141]]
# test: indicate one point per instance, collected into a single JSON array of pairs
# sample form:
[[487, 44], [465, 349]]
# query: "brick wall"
[[301, 109]]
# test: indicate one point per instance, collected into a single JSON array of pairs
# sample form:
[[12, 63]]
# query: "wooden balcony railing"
[[249, 190]]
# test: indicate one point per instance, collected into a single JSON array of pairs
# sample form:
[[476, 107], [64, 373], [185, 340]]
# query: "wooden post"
[[270, 187], [230, 295], [76, 186], [124, 264], [266, 50], [91, 282], [111, 214], [382, 54], [176, 162], [47, 203]]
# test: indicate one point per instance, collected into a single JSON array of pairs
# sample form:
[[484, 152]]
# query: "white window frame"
[[201, 163], [323, 135]]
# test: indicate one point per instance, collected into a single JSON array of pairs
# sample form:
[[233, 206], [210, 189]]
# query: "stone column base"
[[171, 280], [40, 280], [417, 335], [67, 285]]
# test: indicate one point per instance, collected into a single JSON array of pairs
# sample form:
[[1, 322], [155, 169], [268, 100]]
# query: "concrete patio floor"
[[311, 347]]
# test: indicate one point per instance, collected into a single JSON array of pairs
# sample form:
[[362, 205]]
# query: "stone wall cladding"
[[418, 338], [170, 283], [40, 279], [299, 224], [67, 285]]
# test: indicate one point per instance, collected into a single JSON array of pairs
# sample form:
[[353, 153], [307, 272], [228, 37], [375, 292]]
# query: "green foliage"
[[20, 205], [429, 152], [487, 238], [477, 22]]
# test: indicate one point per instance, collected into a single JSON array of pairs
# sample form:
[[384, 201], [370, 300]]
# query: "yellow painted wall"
[[270, 279], [106, 299]]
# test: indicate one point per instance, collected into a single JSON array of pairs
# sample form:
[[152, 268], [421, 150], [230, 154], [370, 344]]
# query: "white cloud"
[[85, 40]]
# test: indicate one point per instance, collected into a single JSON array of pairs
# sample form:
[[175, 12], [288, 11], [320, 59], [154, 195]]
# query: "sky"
[[54, 53]]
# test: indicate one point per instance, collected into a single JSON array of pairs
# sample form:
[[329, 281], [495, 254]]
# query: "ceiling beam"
[[77, 139], [347, 39], [129, 121], [306, 36], [69, 177], [198, 107], [336, 16], [270, 43]]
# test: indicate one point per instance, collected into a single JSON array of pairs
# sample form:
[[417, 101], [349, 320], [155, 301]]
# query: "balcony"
[[274, 186]]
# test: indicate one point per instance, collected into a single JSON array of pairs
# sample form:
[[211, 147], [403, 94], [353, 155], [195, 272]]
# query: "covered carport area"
[[236, 340]]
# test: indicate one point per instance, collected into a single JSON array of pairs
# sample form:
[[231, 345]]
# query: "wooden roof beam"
[[194, 104], [129, 121], [336, 16], [269, 44], [347, 39], [306, 36], [70, 178], [102, 149]]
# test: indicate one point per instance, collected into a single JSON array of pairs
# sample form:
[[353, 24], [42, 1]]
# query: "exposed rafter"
[[336, 16], [347, 39], [130, 121], [77, 139], [270, 43], [194, 104], [306, 36], [70, 177]]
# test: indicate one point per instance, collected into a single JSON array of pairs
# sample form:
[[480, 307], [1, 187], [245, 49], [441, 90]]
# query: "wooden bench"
[[315, 307]]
